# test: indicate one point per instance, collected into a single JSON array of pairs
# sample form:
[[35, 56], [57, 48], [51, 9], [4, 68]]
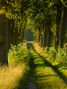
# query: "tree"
[[64, 27], [3, 36], [58, 22]]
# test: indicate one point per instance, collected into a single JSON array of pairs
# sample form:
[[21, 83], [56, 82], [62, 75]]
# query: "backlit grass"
[[48, 79], [45, 77], [62, 64], [10, 76]]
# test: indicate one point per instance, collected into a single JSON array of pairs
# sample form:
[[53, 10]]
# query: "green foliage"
[[45, 76], [50, 54], [17, 54], [35, 15], [64, 2], [61, 55], [16, 10], [56, 56]]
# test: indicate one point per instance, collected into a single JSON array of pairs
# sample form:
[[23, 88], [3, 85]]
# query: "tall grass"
[[56, 57], [10, 76], [46, 77], [52, 55], [17, 54]]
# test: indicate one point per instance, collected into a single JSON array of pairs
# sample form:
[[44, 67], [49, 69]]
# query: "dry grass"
[[10, 76], [37, 47]]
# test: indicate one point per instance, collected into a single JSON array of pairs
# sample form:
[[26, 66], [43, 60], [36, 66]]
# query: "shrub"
[[61, 55], [17, 54], [56, 56], [49, 54]]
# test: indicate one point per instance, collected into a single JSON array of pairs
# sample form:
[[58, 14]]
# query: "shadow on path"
[[31, 84], [28, 81], [61, 75], [23, 82], [55, 68]]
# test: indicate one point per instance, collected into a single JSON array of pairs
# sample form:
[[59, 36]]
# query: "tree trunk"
[[50, 34], [3, 40], [44, 35], [64, 27], [58, 24], [11, 29]]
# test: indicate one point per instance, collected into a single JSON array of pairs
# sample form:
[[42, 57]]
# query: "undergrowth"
[[45, 76], [18, 54], [52, 55], [11, 75], [57, 57]]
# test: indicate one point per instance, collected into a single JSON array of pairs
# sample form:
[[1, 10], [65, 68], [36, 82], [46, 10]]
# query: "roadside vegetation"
[[57, 57], [45, 23], [11, 75], [45, 76]]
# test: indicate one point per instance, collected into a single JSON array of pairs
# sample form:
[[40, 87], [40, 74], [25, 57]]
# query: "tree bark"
[[3, 40], [58, 24], [44, 35], [64, 27]]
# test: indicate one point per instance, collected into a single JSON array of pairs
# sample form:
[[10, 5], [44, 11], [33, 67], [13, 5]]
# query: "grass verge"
[[62, 67], [10, 76], [45, 77]]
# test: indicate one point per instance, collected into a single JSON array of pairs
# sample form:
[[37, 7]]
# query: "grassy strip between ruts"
[[45, 77]]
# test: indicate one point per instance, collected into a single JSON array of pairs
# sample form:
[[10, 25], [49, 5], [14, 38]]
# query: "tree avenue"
[[46, 18]]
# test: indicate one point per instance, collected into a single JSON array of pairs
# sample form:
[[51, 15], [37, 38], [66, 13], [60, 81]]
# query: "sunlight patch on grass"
[[48, 79], [64, 71], [45, 71], [37, 47], [10, 76], [49, 56]]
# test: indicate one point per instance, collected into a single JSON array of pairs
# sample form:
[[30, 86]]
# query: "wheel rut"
[[31, 84]]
